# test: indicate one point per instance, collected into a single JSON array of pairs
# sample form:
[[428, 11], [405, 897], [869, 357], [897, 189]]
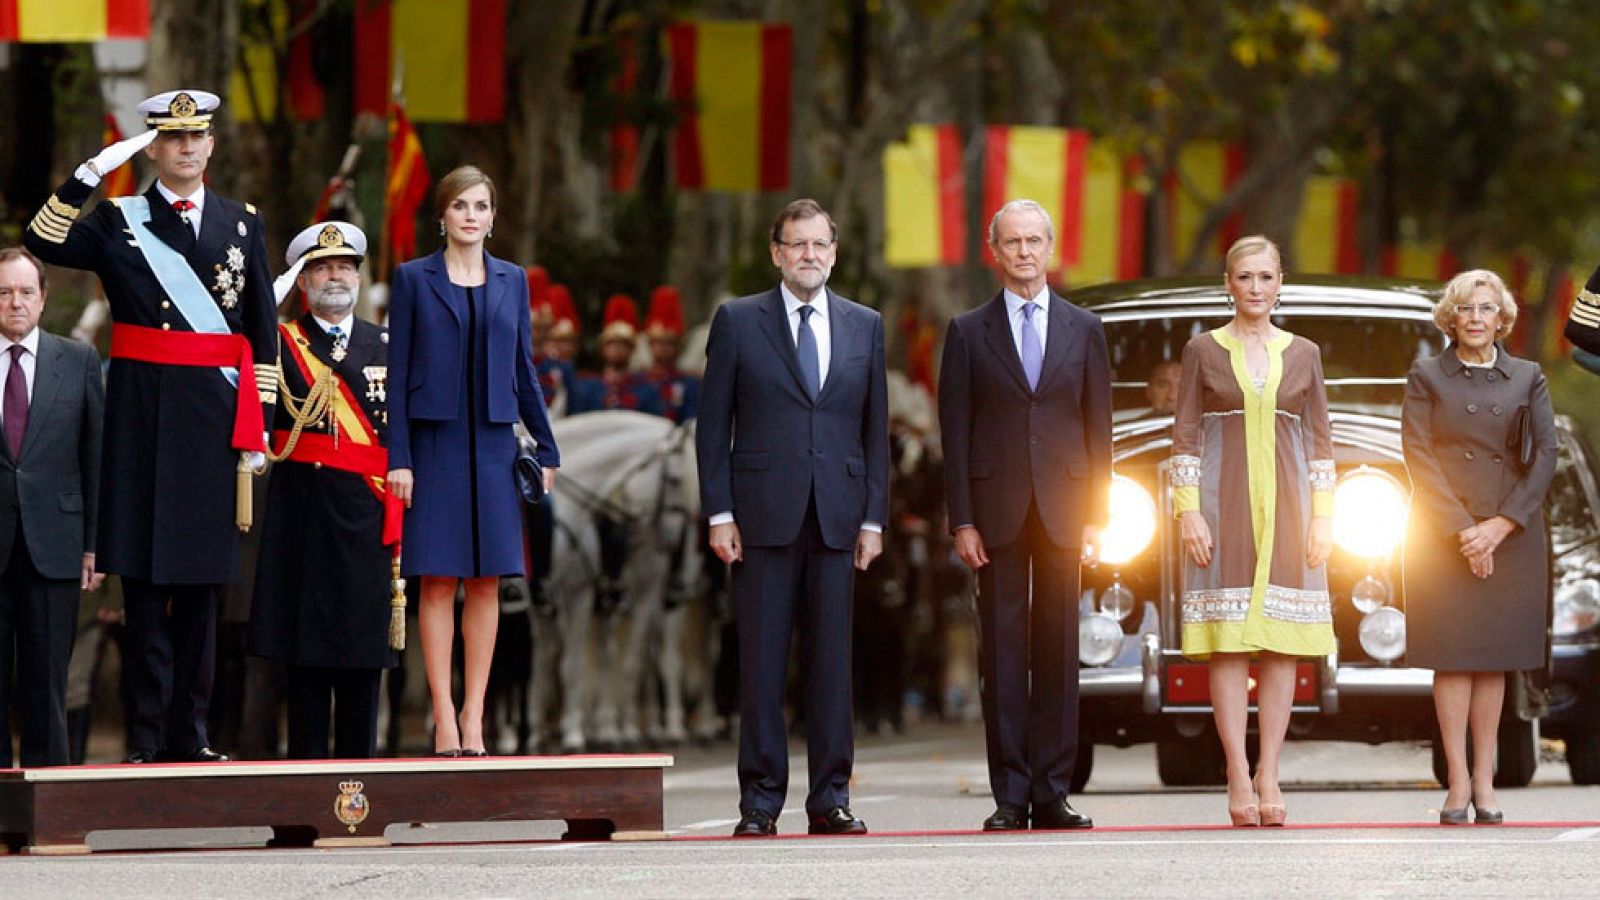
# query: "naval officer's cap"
[[327, 239], [181, 110]]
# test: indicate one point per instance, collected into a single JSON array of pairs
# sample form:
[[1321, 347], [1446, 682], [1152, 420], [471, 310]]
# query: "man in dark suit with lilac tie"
[[793, 443], [1025, 419]]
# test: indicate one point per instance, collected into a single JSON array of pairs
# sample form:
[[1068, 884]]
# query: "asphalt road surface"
[[1360, 826]]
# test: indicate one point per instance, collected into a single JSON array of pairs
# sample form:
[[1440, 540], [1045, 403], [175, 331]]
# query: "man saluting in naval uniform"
[[193, 363], [323, 589]]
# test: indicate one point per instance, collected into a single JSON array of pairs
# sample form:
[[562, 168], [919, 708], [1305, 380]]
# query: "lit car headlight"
[[1133, 522], [1369, 513], [1383, 634], [1099, 639], [1577, 605]]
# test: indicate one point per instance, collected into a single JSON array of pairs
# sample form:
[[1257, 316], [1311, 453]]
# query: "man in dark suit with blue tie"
[[793, 442], [1025, 418]]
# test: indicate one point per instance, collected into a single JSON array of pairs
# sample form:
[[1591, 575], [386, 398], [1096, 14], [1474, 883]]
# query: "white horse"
[[638, 470]]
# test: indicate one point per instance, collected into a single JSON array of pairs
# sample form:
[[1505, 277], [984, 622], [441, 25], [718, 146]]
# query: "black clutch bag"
[[1520, 440], [528, 473]]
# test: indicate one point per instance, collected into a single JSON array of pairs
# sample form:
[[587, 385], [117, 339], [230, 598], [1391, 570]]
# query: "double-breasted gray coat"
[[1456, 425]]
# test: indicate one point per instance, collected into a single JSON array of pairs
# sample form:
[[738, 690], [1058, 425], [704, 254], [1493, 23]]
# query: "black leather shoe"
[[755, 823], [202, 754], [839, 820], [474, 753], [139, 758], [1058, 815], [1007, 818]]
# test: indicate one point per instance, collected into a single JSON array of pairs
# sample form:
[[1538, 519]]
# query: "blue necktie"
[[1032, 348], [805, 346]]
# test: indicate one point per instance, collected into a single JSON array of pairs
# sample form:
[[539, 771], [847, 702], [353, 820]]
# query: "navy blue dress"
[[462, 469]]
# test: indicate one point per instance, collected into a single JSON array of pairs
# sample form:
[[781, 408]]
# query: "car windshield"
[[1364, 358]]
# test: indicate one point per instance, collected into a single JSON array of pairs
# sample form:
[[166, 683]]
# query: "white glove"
[[113, 156], [256, 460], [283, 284]]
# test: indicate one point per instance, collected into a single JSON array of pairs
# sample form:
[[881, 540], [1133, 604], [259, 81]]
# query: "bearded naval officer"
[[322, 601], [192, 379]]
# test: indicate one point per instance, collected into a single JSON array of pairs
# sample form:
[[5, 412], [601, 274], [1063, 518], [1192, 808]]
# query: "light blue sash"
[[187, 292]]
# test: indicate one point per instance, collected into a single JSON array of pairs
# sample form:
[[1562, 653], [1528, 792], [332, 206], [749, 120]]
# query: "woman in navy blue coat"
[[460, 376]]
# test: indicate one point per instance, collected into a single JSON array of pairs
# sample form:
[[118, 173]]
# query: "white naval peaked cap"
[[180, 110], [325, 239]]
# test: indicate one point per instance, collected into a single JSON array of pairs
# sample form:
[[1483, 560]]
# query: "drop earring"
[[489, 233], [441, 228]]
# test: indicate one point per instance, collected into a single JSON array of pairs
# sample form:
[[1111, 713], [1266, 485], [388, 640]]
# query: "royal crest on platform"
[[351, 806]]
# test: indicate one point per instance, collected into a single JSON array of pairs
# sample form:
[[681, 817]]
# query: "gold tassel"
[[244, 506], [397, 605]]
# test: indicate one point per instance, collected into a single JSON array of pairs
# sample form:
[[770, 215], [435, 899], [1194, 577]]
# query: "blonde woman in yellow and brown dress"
[[1253, 477]]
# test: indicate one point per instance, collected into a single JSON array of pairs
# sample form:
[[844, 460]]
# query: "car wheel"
[[1191, 762], [1518, 753], [1583, 756], [1083, 766]]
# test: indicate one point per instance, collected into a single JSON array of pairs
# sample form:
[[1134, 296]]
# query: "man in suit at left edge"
[[192, 382], [51, 403], [793, 445]]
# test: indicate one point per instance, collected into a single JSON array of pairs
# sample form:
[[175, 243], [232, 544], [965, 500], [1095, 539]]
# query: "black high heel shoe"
[[450, 754]]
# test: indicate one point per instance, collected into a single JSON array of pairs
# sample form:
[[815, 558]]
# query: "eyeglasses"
[[818, 247], [1465, 310]]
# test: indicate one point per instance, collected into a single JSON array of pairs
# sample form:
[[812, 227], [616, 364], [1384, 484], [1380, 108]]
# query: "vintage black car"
[[1136, 685]]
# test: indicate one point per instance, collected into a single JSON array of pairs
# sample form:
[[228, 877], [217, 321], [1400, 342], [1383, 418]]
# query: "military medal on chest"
[[230, 278], [377, 383]]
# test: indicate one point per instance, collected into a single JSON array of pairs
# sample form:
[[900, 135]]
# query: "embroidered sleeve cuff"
[[1185, 499], [53, 220], [1185, 470]]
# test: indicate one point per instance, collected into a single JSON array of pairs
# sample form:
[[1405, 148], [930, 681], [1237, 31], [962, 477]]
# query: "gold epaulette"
[[268, 376], [250, 208], [53, 220]]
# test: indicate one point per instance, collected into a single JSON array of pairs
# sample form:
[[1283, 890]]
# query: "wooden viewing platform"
[[332, 803]]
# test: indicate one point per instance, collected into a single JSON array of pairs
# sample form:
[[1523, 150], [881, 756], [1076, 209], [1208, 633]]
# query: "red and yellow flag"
[[925, 199], [450, 55], [73, 21], [254, 89], [731, 83], [1325, 235], [625, 134], [1205, 172], [1043, 164], [119, 182], [1423, 260], [405, 187], [1112, 243]]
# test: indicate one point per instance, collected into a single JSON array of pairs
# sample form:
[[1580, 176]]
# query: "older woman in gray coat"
[[1476, 569]]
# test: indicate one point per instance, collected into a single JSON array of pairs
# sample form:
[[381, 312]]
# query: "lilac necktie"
[[15, 408], [1032, 348]]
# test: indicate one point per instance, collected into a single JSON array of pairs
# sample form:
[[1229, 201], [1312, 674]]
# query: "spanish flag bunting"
[[1043, 164], [406, 185], [624, 134], [1422, 260], [450, 55], [1113, 213], [1205, 172], [119, 182], [1325, 235], [925, 199], [73, 21], [254, 89], [731, 84]]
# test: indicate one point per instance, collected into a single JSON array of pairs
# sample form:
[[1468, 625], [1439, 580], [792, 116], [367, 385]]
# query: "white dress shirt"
[[819, 327], [29, 361], [343, 324], [198, 198], [1041, 317], [823, 332]]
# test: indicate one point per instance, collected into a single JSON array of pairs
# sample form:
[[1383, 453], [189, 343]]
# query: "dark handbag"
[[1520, 440], [529, 474]]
